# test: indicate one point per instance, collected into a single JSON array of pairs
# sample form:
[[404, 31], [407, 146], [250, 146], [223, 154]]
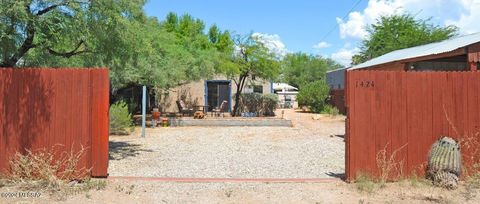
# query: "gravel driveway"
[[310, 149]]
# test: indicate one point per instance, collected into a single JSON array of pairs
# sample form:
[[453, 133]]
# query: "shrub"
[[120, 119], [270, 102], [330, 110], [261, 104], [365, 183], [314, 95], [251, 102]]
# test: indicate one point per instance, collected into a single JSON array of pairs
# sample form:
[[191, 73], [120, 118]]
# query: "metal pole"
[[144, 110]]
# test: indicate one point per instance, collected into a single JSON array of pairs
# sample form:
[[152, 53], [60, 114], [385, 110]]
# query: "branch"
[[54, 6], [71, 53], [25, 47]]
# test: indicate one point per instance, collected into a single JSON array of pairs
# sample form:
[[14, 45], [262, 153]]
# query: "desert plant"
[[330, 110], [53, 171], [49, 167], [270, 102], [388, 164], [46, 169], [314, 95], [251, 102], [445, 163], [261, 104], [365, 183], [120, 119]]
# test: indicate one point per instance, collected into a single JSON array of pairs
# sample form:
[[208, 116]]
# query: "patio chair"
[[220, 109], [182, 108]]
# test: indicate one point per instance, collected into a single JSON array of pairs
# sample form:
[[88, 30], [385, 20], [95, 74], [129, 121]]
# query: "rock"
[[316, 117]]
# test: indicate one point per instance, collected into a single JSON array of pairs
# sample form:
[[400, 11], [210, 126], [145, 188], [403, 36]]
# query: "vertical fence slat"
[[427, 119], [363, 108], [398, 118], [459, 98], [13, 141], [100, 89], [6, 79], [347, 93], [379, 113], [439, 120], [83, 112], [473, 101]]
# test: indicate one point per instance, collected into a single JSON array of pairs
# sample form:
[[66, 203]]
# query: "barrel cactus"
[[445, 163]]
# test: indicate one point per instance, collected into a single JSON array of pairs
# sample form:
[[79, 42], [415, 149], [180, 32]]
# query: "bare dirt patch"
[[120, 191]]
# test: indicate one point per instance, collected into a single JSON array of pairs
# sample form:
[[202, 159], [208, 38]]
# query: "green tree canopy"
[[300, 68], [249, 58], [396, 32], [107, 33], [62, 28], [314, 95]]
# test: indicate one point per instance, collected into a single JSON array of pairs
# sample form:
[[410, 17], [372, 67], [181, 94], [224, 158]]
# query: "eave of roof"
[[445, 46]]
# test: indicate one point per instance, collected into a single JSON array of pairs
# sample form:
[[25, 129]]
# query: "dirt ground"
[[333, 191], [310, 149], [129, 191]]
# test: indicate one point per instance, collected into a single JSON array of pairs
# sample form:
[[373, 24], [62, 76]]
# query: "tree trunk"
[[240, 86]]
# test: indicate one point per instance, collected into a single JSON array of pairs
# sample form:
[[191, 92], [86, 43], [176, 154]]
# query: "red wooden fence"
[[406, 112], [337, 99], [55, 109]]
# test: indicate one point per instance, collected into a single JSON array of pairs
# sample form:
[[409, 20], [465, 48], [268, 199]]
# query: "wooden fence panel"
[[61, 110], [404, 113]]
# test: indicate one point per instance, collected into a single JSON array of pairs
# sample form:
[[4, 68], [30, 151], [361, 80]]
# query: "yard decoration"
[[155, 117], [444, 163]]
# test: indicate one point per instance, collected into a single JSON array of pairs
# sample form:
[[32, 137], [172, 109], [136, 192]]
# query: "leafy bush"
[[261, 104], [314, 94], [330, 110], [120, 119], [270, 102]]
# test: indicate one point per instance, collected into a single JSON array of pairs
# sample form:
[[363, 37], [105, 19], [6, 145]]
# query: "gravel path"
[[308, 150]]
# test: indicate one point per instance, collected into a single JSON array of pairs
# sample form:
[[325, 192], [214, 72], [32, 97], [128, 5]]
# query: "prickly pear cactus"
[[445, 163]]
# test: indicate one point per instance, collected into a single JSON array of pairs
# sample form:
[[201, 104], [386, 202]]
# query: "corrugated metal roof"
[[339, 69], [422, 51]]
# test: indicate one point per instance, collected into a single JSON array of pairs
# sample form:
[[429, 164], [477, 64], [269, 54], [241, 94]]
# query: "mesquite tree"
[[250, 58], [400, 31]]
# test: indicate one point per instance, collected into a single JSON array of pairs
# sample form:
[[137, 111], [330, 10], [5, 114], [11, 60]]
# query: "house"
[[287, 95], [210, 92], [336, 82], [456, 54]]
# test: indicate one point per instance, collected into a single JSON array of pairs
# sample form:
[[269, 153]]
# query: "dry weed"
[[389, 164], [51, 171]]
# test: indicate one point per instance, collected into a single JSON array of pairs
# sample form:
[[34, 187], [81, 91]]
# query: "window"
[[258, 89]]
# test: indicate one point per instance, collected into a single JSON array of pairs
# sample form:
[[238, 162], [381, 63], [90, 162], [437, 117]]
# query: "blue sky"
[[299, 25]]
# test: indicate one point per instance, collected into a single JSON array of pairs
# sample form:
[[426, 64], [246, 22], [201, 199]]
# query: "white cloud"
[[462, 13], [468, 20], [356, 23], [344, 55], [273, 43], [321, 45]]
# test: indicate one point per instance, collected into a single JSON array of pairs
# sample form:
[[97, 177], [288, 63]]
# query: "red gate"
[[405, 112]]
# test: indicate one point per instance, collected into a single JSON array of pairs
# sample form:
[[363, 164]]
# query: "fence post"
[[144, 109]]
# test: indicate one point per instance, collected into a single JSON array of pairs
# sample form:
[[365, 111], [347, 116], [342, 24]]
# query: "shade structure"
[[283, 87]]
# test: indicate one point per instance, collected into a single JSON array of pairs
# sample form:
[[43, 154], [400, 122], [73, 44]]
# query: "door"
[[218, 91]]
